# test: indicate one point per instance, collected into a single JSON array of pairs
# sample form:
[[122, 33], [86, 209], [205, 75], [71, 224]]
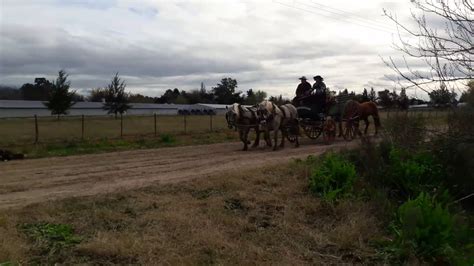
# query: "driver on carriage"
[[304, 88]]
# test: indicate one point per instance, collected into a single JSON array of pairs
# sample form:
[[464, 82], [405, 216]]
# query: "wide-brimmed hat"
[[303, 78], [318, 77]]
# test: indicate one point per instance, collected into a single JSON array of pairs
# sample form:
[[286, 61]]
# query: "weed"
[[333, 178], [167, 139], [427, 229], [52, 238]]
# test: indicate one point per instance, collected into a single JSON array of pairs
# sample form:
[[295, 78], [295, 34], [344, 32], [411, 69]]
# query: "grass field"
[[22, 130], [263, 216], [102, 134]]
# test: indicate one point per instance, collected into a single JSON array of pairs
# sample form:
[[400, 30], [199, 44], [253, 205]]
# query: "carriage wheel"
[[312, 132], [329, 132]]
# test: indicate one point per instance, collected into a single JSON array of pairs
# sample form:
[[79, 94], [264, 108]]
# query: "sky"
[[156, 45]]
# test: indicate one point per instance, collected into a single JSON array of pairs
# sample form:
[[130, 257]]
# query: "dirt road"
[[30, 181]]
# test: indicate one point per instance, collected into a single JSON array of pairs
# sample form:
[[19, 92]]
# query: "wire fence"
[[38, 129]]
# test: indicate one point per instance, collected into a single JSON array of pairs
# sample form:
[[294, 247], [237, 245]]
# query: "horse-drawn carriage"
[[318, 115]]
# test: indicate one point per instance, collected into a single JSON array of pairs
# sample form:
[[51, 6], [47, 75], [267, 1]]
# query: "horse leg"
[[275, 135], [366, 120], [257, 138], [283, 136], [244, 140], [267, 137], [297, 131]]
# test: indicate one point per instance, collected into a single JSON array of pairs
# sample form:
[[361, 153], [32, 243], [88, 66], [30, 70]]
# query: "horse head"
[[265, 112], [232, 115]]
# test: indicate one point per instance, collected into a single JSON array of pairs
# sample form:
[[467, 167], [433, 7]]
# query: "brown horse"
[[355, 111]]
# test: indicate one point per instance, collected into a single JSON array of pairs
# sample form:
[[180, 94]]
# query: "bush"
[[408, 173], [168, 139], [333, 178], [407, 132], [455, 149], [427, 229]]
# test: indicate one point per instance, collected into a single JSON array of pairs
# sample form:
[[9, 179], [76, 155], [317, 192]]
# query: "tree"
[[225, 92], [97, 95], [442, 97], [9, 93], [116, 99], [372, 96], [138, 98], [40, 91], [365, 96], [447, 54], [468, 95], [403, 101], [60, 99], [385, 98]]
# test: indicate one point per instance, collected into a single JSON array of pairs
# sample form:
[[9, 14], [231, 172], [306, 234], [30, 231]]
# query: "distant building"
[[30, 108]]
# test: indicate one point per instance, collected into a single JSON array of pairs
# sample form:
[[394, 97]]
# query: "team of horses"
[[267, 117]]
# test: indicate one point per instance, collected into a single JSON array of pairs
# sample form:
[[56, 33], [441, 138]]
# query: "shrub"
[[409, 173], [405, 131], [168, 139], [427, 229], [333, 178], [455, 149], [51, 237]]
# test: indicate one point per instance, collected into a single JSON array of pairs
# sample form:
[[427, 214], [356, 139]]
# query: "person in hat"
[[304, 88], [319, 87]]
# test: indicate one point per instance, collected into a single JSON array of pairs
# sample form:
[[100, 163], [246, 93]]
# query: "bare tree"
[[447, 52]]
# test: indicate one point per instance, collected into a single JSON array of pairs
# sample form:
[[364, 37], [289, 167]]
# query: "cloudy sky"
[[161, 44]]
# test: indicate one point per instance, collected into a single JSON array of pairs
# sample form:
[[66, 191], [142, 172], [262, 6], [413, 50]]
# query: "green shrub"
[[427, 229], [410, 173], [167, 138], [52, 238], [333, 178]]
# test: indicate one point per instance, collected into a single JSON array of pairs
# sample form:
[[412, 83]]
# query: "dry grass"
[[263, 216], [22, 130]]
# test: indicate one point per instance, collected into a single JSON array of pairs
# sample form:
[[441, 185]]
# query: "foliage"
[[51, 237], [116, 99], [468, 95], [442, 97], [9, 93], [333, 177], [426, 228], [409, 173], [60, 98], [455, 148], [254, 97], [406, 132], [40, 91], [225, 92], [167, 138]]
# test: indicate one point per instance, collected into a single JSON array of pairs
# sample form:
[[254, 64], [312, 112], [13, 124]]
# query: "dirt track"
[[30, 181]]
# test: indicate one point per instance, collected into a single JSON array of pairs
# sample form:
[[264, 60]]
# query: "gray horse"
[[275, 118], [243, 119]]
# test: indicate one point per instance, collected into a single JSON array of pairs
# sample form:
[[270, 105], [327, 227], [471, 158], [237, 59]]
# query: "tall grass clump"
[[407, 132], [426, 228], [333, 177]]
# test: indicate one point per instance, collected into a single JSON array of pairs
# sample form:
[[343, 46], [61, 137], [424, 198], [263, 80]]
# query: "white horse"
[[274, 118], [243, 119]]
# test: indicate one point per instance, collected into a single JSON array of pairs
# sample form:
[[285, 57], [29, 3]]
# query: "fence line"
[[38, 129]]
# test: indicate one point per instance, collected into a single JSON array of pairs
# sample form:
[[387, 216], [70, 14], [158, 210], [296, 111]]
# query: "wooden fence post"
[[82, 128], [121, 125], [36, 129], [184, 122], [156, 133]]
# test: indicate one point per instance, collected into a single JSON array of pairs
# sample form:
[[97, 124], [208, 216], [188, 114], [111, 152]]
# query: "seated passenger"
[[319, 87], [304, 88]]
